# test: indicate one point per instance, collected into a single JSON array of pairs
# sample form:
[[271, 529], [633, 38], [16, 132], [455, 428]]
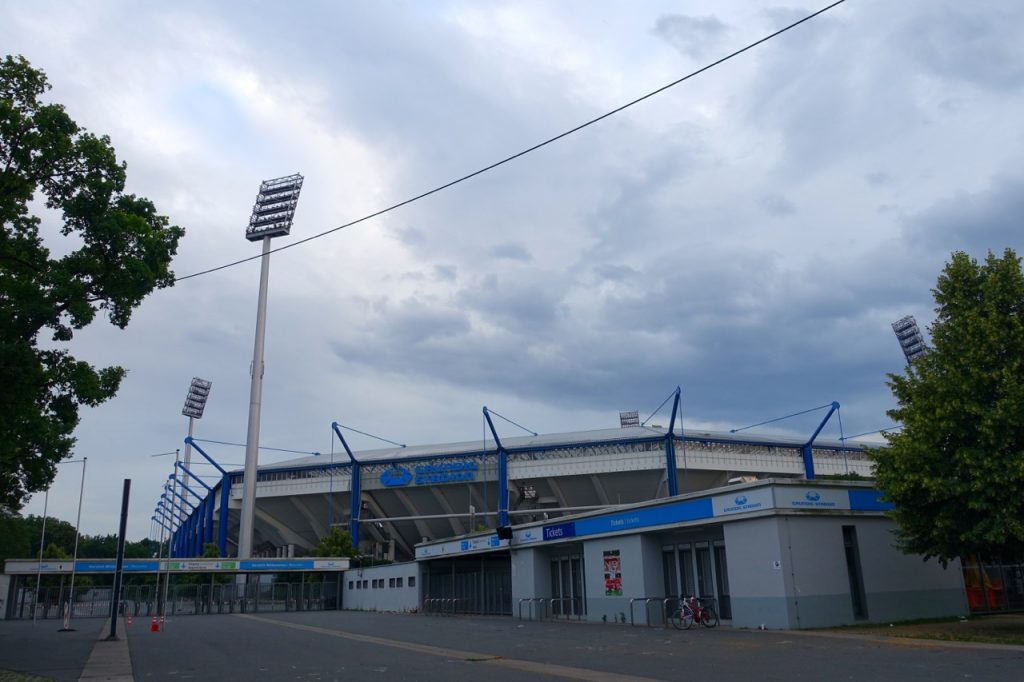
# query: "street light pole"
[[74, 558], [272, 216]]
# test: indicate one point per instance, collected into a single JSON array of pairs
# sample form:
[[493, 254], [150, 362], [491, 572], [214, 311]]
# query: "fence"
[[148, 600], [993, 587]]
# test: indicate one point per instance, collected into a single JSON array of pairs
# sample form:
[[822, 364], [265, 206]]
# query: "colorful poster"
[[612, 573]]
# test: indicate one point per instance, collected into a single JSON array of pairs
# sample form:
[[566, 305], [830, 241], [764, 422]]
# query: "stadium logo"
[[813, 496], [396, 477], [741, 500]]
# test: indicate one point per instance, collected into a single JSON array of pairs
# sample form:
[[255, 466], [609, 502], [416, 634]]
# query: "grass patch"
[[994, 629]]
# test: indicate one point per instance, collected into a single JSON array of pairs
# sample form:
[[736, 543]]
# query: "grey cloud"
[[974, 222], [877, 178], [972, 43], [777, 205], [692, 36], [445, 273], [516, 252]]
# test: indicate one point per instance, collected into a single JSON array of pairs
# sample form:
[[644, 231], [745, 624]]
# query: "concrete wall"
[[759, 575], [531, 577], [640, 560], [790, 572], [359, 591], [901, 586]]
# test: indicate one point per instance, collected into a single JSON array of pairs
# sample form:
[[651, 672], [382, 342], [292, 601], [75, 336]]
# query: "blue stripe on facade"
[[640, 518], [868, 500]]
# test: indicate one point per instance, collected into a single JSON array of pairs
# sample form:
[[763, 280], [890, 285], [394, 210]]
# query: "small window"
[[366, 584], [412, 581], [399, 582], [350, 584], [374, 584], [391, 582]]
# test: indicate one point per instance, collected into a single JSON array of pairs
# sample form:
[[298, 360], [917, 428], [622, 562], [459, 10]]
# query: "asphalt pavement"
[[346, 645]]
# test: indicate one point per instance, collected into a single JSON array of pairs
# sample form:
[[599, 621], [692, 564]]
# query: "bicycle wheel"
[[682, 618], [708, 617]]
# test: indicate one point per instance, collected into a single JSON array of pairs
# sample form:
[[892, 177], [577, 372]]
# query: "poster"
[[612, 573]]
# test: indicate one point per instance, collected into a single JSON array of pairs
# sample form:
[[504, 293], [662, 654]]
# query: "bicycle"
[[691, 610]]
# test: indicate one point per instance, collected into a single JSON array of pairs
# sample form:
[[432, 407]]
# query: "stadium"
[[406, 495]]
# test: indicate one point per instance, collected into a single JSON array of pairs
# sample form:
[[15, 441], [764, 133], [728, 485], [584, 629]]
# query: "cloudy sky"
[[749, 235]]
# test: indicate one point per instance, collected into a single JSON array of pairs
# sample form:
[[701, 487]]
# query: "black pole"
[[115, 598]]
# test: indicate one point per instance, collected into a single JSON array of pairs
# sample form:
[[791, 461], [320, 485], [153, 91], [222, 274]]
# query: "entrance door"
[[567, 586]]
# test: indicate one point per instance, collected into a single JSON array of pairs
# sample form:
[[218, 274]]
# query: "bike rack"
[[647, 609], [530, 601], [572, 603]]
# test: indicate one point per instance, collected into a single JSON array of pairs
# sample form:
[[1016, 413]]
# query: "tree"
[[337, 543], [956, 470], [118, 250]]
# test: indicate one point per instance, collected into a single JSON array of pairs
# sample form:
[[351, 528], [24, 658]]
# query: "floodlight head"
[[195, 401], [909, 336], [275, 208], [627, 419]]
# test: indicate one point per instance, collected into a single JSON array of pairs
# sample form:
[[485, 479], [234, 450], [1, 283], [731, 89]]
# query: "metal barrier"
[[182, 600], [442, 606], [541, 602], [571, 612], [647, 609]]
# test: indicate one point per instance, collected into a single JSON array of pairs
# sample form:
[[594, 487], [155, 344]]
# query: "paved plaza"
[[348, 645]]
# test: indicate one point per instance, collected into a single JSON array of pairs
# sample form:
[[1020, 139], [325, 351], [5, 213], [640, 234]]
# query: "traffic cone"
[[129, 619], [163, 619], [153, 627]]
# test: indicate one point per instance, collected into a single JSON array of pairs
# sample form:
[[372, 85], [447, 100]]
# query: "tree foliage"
[[337, 543], [956, 470], [116, 250]]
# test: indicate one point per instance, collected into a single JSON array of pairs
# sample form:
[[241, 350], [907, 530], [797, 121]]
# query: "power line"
[[524, 152]]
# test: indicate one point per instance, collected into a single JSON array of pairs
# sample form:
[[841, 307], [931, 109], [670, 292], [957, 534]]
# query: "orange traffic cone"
[[153, 627], [129, 619]]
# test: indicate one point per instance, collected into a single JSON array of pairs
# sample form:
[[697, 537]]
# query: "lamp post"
[[195, 403], [74, 558], [271, 217]]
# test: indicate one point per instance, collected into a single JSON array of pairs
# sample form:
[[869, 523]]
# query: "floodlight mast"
[[910, 338], [271, 217], [195, 403]]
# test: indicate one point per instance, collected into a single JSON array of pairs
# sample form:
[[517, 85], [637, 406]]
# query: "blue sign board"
[[111, 566], [275, 565], [640, 518], [560, 531], [868, 500]]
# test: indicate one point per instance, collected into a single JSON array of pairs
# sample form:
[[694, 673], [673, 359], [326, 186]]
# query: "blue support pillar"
[[355, 506], [222, 529], [807, 450], [502, 472], [225, 494], [671, 472], [207, 535]]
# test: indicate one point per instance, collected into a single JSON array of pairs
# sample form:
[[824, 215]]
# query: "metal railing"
[[182, 600], [443, 606], [647, 601], [541, 604]]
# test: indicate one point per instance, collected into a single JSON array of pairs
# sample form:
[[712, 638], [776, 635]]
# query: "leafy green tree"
[[118, 249], [14, 542], [337, 543], [59, 533], [956, 470]]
